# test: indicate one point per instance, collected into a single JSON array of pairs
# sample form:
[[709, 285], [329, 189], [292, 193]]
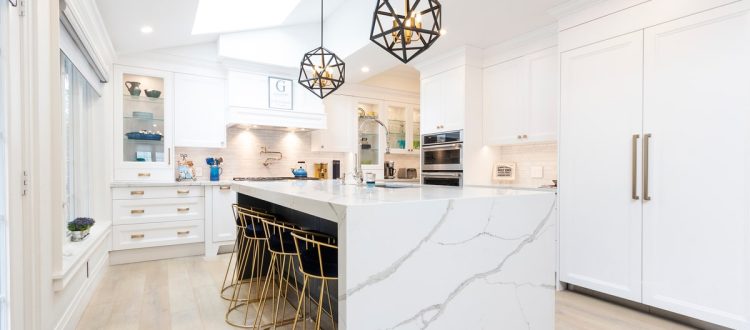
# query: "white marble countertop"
[[329, 199], [129, 184]]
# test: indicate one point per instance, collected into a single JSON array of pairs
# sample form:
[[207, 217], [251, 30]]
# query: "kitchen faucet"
[[358, 175]]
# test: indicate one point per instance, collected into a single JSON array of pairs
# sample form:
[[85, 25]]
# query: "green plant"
[[80, 224]]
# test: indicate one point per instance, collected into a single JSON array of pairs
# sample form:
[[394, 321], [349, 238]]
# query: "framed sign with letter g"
[[280, 94]]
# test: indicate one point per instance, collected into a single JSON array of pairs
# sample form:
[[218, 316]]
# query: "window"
[[78, 98]]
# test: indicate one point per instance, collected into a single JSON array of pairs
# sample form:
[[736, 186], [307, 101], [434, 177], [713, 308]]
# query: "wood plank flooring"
[[184, 294]]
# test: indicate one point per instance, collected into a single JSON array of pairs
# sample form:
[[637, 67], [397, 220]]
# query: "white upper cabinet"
[[443, 101], [520, 99], [144, 123], [200, 109], [341, 134], [247, 90]]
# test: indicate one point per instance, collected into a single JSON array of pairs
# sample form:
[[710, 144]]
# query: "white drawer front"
[[157, 192], [128, 212], [157, 234], [144, 174]]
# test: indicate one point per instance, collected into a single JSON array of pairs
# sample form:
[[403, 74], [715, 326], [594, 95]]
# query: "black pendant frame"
[[13, 3], [321, 71], [321, 85], [384, 28]]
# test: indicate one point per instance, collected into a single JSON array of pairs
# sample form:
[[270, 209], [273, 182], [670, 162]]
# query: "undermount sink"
[[394, 185]]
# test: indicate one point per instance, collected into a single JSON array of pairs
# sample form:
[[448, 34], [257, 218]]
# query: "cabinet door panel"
[[505, 102], [453, 87], [430, 96], [600, 222], [697, 225], [341, 132], [224, 226], [543, 96], [200, 108]]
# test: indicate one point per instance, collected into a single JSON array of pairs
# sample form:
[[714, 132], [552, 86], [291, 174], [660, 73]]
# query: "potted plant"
[[79, 228]]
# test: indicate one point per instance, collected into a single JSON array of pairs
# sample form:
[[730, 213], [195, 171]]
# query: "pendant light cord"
[[321, 23]]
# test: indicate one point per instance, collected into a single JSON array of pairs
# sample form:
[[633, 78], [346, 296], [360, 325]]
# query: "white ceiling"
[[172, 21], [478, 23]]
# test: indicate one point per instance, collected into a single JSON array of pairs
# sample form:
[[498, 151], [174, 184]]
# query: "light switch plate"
[[537, 172]]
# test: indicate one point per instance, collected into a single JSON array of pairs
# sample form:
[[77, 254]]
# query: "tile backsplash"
[[242, 155], [529, 157]]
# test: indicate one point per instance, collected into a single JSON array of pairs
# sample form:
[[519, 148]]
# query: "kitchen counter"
[[130, 184], [432, 256]]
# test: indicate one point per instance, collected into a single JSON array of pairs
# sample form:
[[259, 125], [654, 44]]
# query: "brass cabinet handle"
[[634, 183], [186, 232], [137, 211], [646, 139], [137, 236], [144, 174], [224, 187], [183, 209], [183, 192], [138, 192]]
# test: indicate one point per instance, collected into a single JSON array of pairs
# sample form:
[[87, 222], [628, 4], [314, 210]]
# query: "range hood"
[[248, 100]]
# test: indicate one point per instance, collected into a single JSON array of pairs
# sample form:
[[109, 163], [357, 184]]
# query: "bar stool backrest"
[[279, 234], [250, 218], [318, 254]]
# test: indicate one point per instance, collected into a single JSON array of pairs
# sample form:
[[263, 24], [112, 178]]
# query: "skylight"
[[218, 16]]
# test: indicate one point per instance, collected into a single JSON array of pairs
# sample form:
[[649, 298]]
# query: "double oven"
[[442, 159]]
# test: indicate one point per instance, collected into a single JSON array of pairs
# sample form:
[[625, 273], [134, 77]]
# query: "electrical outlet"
[[537, 172]]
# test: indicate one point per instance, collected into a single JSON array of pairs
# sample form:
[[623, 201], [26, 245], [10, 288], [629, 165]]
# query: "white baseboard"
[[156, 253]]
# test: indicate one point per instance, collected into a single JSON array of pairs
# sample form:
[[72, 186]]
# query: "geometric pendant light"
[[406, 30], [321, 71]]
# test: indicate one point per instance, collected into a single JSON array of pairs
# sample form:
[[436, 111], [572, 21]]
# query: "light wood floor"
[[183, 294]]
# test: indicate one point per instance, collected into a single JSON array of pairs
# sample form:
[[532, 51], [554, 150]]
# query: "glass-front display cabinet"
[[403, 127], [370, 134], [143, 124]]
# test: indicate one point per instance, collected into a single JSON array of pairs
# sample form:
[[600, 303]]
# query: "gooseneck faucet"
[[358, 175]]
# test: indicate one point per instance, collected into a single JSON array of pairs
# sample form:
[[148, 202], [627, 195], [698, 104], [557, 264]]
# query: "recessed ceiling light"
[[365, 69], [217, 16], [146, 29], [443, 32]]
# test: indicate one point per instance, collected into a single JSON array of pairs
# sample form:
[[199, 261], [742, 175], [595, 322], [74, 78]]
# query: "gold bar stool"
[[233, 258], [318, 258], [281, 272], [251, 247]]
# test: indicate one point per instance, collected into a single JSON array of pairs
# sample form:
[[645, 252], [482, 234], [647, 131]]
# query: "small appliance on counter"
[[389, 170], [320, 170], [215, 167], [407, 173], [301, 170]]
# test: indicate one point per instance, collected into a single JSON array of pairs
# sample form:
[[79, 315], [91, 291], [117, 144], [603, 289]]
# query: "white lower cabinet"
[[655, 166], [223, 222], [157, 234], [157, 216]]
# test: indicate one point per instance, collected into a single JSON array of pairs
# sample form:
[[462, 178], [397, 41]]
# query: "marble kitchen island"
[[431, 257]]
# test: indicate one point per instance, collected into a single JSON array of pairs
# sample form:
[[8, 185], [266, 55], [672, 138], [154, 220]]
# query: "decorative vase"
[[77, 236]]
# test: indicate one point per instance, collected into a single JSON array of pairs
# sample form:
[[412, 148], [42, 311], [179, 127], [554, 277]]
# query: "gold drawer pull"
[[137, 236], [180, 233], [183, 209], [137, 192], [182, 192], [224, 187], [137, 211], [144, 174]]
